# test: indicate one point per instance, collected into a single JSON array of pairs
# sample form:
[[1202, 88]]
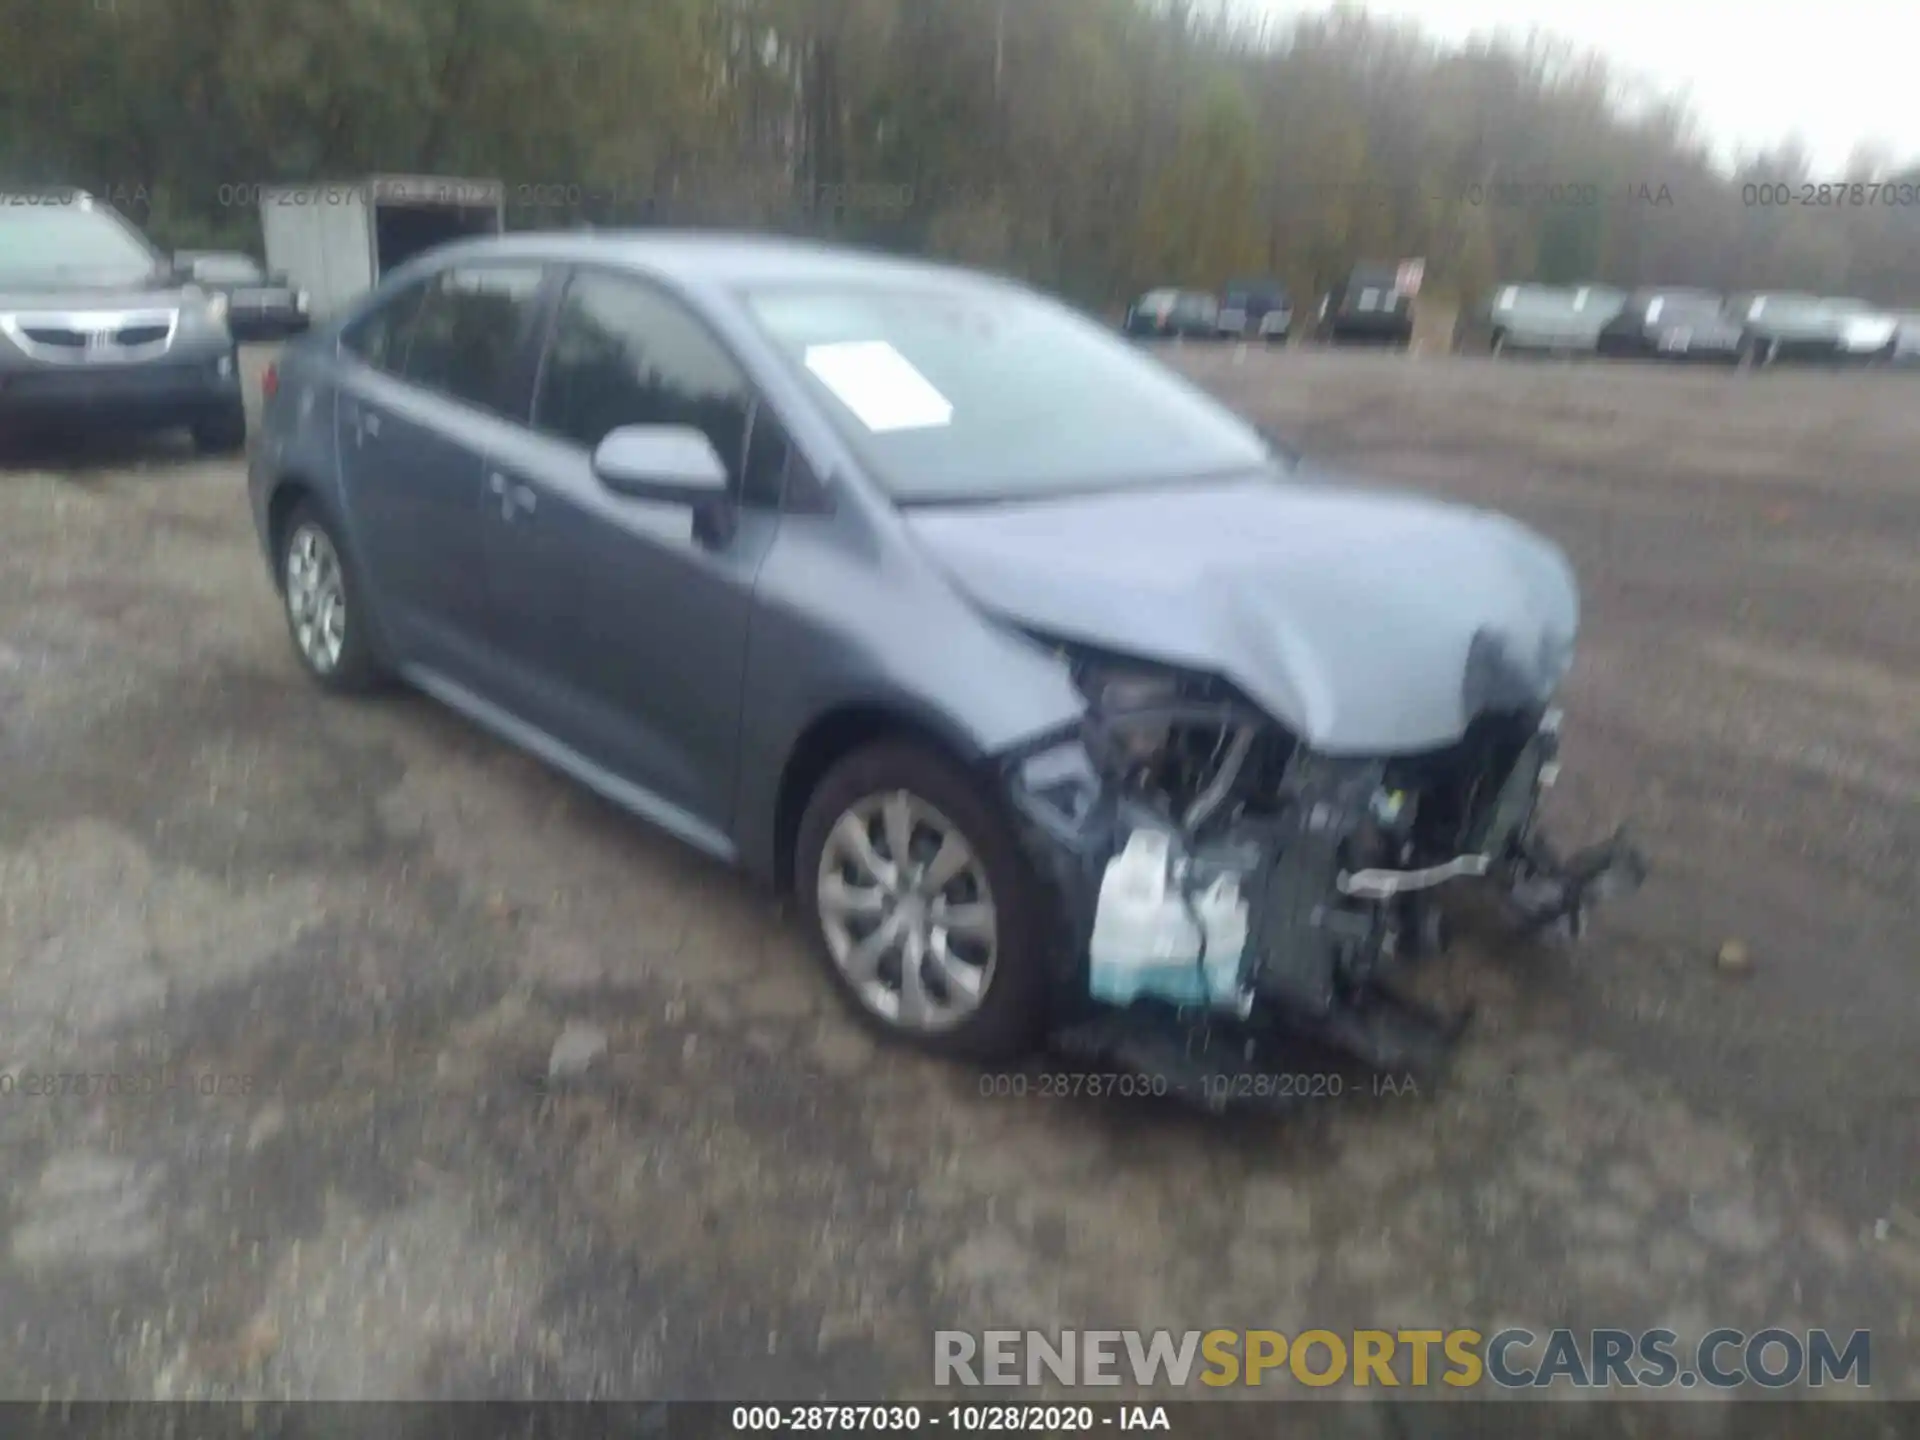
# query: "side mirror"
[[672, 463]]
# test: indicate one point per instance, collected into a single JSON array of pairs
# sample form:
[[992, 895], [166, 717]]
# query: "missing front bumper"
[[1318, 939]]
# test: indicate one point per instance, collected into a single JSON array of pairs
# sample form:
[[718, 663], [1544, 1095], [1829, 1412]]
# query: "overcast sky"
[[1833, 72]]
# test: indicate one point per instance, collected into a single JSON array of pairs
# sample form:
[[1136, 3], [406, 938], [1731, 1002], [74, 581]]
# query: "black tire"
[[1497, 345], [1012, 1017], [357, 670], [224, 432]]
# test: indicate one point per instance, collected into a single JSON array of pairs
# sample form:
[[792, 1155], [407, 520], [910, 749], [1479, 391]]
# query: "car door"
[[417, 409], [626, 622]]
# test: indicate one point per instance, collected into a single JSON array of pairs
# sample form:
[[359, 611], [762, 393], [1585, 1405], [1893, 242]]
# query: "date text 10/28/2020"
[[48, 1084]]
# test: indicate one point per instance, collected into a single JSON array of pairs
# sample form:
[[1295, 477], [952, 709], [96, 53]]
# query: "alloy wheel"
[[907, 912], [316, 597]]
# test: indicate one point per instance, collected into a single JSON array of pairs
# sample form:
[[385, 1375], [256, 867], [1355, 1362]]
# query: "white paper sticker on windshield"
[[880, 385]]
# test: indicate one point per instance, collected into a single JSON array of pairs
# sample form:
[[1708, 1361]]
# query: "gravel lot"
[[363, 927]]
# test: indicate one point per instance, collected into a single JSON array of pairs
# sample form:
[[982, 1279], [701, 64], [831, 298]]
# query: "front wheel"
[[924, 907]]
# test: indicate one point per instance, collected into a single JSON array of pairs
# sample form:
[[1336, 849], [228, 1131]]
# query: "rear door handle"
[[515, 499]]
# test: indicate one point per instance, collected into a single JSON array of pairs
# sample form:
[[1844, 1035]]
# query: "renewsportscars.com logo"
[[1513, 1359]]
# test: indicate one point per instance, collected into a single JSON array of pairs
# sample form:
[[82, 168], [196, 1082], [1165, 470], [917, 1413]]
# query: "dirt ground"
[[349, 935]]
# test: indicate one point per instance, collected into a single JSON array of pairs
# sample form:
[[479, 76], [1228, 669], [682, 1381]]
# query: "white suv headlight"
[[217, 307]]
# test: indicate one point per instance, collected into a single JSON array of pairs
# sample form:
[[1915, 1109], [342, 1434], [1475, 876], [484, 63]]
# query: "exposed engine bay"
[[1227, 876]]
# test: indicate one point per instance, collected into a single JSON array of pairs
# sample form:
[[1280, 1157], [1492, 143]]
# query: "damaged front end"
[[1220, 877]]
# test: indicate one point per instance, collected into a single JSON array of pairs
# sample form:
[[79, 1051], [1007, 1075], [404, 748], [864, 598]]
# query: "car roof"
[[1537, 293], [728, 259], [1542, 287]]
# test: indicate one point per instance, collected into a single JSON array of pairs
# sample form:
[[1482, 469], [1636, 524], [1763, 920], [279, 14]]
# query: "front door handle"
[[515, 499]]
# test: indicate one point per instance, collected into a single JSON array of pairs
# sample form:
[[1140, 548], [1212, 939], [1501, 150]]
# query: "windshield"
[[226, 269], [1669, 305], [1535, 301], [1792, 309], [1544, 302], [962, 392], [61, 241]]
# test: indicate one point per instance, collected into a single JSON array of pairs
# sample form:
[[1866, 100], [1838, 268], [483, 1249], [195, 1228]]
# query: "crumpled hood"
[[1367, 621]]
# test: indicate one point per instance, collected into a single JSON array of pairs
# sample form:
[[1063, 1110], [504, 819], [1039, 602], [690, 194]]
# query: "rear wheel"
[[924, 907], [324, 616], [224, 432], [1499, 345]]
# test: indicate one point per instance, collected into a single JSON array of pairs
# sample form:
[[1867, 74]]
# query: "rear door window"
[[379, 337]]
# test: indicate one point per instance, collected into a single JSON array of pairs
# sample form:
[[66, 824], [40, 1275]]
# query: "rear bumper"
[[1273, 325], [174, 391], [1805, 350], [1369, 326], [1697, 349], [1547, 343], [251, 322]]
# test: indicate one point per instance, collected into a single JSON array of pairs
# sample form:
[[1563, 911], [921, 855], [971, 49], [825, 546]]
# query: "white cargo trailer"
[[336, 239]]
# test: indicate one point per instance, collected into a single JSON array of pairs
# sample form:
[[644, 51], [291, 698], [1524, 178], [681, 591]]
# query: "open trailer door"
[[412, 214], [336, 239]]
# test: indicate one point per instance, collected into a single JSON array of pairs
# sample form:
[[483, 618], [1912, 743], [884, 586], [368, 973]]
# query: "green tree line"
[[1095, 146]]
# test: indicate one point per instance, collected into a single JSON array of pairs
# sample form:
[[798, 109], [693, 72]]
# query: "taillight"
[[270, 382]]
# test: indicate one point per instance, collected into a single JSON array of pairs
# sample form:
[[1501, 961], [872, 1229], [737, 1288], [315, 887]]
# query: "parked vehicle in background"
[[1174, 314], [99, 331], [1906, 338], [1673, 324], [1368, 306], [260, 306], [1013, 654], [1869, 335], [1783, 325], [1544, 319], [1256, 310]]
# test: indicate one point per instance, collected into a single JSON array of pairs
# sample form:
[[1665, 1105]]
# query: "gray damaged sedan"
[[1067, 704]]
